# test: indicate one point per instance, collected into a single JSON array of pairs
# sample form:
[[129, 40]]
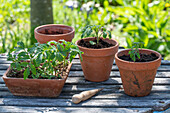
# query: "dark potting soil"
[[47, 32], [143, 57], [19, 74], [101, 44]]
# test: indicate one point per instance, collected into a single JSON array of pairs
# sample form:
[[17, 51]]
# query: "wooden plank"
[[102, 95], [4, 66], [2, 72], [112, 81], [111, 103], [4, 61], [3, 55], [16, 109], [165, 62], [115, 74]]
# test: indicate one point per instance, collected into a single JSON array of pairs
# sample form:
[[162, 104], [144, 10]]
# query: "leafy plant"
[[43, 60], [97, 30], [135, 50]]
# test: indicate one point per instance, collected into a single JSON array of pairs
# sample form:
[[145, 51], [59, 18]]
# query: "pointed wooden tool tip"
[[101, 89]]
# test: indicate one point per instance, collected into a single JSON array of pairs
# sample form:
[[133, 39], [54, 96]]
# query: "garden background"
[[129, 21]]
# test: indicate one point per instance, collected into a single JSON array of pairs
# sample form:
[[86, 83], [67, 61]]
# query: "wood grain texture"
[[6, 109], [111, 103]]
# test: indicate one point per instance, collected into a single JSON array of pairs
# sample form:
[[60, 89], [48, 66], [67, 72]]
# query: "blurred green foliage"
[[14, 23], [145, 22], [129, 20]]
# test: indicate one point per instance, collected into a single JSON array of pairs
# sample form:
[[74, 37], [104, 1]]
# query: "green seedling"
[[43, 60], [135, 50], [97, 31]]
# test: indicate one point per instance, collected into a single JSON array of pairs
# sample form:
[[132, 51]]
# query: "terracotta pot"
[[41, 37], [35, 87], [97, 63], [137, 77]]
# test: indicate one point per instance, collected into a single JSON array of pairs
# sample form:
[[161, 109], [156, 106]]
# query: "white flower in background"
[[153, 3], [72, 3], [97, 5], [88, 6]]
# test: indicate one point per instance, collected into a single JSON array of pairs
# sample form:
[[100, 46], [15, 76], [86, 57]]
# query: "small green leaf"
[[52, 56], [21, 45], [110, 35], [104, 34], [18, 48], [59, 56], [72, 55], [138, 55], [129, 52], [92, 43], [26, 73], [44, 65], [33, 69], [25, 57], [134, 58], [39, 58], [18, 66], [88, 31], [22, 53], [82, 35], [24, 64], [13, 65], [32, 50]]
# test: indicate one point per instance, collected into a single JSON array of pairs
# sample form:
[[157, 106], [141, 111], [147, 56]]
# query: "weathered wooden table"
[[111, 99]]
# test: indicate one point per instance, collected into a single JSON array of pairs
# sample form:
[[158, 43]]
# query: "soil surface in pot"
[[19, 74], [143, 57], [50, 32], [102, 44]]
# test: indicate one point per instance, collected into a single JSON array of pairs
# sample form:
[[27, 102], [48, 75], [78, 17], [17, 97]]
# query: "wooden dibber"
[[77, 98]]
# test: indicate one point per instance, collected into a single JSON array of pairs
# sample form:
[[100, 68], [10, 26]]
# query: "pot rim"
[[117, 44], [47, 25], [5, 77], [124, 61]]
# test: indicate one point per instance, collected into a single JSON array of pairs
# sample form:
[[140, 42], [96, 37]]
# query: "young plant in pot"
[[137, 68], [98, 54], [46, 33], [40, 70]]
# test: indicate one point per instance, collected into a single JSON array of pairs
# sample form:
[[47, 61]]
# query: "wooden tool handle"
[[77, 98]]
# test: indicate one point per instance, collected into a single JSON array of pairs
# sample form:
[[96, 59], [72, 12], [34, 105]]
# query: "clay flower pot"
[[97, 63], [137, 77], [55, 32], [35, 87]]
